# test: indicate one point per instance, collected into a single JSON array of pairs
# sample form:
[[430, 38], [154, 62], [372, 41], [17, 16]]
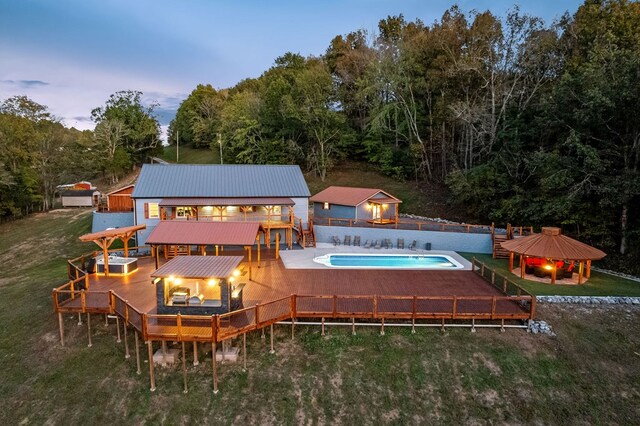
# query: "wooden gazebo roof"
[[551, 244], [114, 233]]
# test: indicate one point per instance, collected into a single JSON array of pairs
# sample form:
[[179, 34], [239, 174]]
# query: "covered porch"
[[271, 213]]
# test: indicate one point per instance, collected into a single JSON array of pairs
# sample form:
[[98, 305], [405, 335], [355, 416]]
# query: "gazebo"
[[553, 247]]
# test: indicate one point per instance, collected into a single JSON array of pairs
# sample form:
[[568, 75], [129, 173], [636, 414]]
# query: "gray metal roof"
[[196, 180]]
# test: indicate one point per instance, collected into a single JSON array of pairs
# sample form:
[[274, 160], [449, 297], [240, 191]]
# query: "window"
[[154, 211], [326, 206]]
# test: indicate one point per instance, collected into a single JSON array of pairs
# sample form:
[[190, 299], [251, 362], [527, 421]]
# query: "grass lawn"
[[598, 285], [190, 155], [589, 373]]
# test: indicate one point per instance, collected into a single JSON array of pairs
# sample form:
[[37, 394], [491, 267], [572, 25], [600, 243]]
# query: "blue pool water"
[[389, 261]]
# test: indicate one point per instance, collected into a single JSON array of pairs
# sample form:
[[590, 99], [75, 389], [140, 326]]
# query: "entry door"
[[376, 211]]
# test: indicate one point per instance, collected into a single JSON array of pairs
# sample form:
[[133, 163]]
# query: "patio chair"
[[413, 245], [388, 244], [400, 244], [356, 241], [336, 240], [367, 244], [347, 240], [378, 244]]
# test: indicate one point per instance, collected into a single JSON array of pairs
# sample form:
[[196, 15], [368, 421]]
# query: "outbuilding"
[[80, 197], [340, 203]]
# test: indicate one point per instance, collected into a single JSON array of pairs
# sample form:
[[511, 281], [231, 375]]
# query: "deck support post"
[[580, 272], [272, 351], [106, 321], [250, 263], [413, 325], [118, 340], [353, 326], [244, 351], [126, 342], [502, 326], [262, 336], [195, 354], [215, 367], [511, 256], [152, 378], [89, 329], [138, 371], [277, 245], [442, 328], [184, 368], [61, 326], [79, 318], [473, 325], [322, 332], [382, 327]]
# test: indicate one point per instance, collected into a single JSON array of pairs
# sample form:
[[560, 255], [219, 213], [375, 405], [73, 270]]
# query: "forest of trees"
[[524, 121], [37, 153]]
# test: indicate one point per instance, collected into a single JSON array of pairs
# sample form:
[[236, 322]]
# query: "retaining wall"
[[102, 221], [453, 241]]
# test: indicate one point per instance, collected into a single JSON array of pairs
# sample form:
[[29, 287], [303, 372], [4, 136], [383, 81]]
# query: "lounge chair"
[[347, 240], [367, 244], [387, 243], [356, 241], [400, 244], [413, 245], [378, 244], [336, 240]]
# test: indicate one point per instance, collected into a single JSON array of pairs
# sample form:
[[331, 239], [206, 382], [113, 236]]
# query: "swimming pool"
[[389, 261]]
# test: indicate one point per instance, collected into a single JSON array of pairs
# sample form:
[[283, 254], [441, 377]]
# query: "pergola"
[[202, 234], [550, 244], [104, 239]]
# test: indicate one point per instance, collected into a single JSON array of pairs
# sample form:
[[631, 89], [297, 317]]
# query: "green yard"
[[599, 284], [589, 373]]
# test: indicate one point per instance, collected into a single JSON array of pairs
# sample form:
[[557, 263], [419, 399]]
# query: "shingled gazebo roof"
[[551, 244]]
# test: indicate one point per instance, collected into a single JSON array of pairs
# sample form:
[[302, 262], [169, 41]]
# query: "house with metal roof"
[[276, 196], [342, 203]]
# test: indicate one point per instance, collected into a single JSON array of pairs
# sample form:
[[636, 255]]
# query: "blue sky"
[[71, 55]]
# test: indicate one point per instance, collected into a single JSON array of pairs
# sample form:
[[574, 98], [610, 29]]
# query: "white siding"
[[77, 201], [140, 219]]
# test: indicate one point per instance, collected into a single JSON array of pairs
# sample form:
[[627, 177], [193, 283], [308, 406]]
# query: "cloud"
[[25, 84]]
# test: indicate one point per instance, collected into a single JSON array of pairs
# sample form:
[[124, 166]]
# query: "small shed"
[[120, 200], [80, 197], [372, 205]]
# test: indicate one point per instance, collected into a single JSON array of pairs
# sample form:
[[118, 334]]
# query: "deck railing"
[[406, 225], [514, 303]]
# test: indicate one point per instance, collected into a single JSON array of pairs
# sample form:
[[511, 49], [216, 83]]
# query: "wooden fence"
[[515, 303], [407, 225]]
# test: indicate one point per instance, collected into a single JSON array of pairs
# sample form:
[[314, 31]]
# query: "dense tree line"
[[37, 153], [526, 122]]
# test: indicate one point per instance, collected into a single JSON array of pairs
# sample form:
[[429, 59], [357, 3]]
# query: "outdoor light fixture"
[[212, 282], [178, 281], [171, 278], [548, 267], [236, 273], [231, 279], [326, 206]]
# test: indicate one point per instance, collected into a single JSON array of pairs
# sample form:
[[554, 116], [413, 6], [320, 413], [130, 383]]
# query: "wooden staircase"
[[306, 237], [498, 251]]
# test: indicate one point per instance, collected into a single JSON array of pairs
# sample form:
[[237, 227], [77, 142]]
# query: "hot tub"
[[118, 265]]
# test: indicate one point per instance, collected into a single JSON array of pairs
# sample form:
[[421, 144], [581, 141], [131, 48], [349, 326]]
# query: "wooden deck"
[[330, 293]]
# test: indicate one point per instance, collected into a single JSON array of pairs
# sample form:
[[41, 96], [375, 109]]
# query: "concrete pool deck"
[[303, 259]]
